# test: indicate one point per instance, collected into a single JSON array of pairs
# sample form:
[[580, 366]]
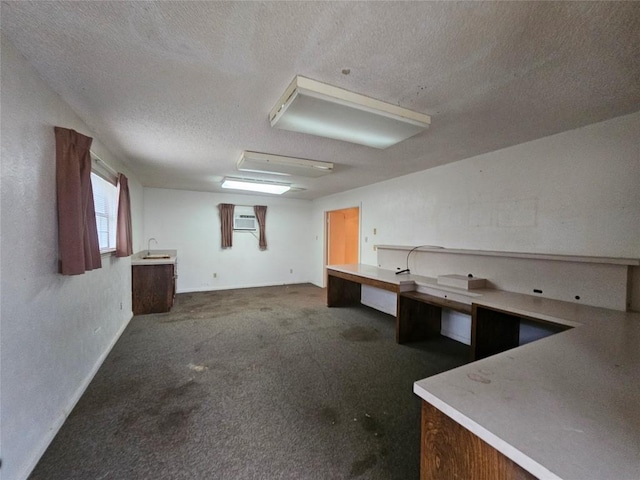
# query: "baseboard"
[[55, 428], [454, 336], [379, 308], [235, 287]]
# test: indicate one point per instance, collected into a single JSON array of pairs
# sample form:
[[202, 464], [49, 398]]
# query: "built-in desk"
[[418, 315], [344, 283], [563, 407]]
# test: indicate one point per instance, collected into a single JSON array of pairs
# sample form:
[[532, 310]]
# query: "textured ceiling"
[[179, 89]]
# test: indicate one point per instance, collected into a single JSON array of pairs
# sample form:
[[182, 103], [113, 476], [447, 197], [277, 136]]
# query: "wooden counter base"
[[344, 289], [419, 315], [153, 288], [449, 450]]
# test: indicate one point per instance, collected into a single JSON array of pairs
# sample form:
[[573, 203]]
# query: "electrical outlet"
[[120, 305], [291, 270], [215, 275], [375, 231], [366, 239]]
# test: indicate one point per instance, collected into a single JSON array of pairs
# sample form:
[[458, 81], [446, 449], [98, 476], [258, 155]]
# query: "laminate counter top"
[[138, 258], [379, 274], [563, 407], [566, 406]]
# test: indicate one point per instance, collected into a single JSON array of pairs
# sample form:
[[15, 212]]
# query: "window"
[[105, 201]]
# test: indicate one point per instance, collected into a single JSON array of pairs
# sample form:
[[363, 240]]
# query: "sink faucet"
[[149, 245]]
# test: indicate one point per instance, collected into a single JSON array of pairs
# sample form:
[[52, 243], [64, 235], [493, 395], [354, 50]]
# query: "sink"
[[156, 256]]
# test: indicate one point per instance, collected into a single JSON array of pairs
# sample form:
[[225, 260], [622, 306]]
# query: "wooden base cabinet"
[[154, 288], [448, 450]]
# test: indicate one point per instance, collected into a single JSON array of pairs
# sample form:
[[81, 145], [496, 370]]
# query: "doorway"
[[342, 237]]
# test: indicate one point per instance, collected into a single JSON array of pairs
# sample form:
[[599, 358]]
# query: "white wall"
[[572, 193], [56, 330], [189, 222]]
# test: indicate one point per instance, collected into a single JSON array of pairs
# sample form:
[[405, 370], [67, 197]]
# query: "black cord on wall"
[[406, 270]]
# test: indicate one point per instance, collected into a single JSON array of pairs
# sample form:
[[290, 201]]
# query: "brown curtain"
[[226, 223], [78, 248], [124, 242], [261, 215]]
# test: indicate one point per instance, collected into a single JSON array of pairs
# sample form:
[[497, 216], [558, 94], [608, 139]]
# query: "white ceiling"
[[179, 89]]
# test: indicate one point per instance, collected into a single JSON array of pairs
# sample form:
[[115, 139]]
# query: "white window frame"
[[105, 199]]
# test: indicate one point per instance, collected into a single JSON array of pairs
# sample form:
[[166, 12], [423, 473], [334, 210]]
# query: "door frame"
[[327, 231]]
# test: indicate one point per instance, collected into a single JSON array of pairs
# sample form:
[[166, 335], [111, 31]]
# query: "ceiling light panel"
[[309, 106], [255, 186], [279, 165]]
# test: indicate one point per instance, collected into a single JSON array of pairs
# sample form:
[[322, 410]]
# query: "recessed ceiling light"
[[279, 165], [260, 186], [313, 107]]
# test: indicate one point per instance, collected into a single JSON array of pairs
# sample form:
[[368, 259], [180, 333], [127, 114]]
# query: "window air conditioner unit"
[[244, 222]]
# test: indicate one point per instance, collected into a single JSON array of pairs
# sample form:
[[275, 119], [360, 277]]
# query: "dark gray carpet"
[[262, 383]]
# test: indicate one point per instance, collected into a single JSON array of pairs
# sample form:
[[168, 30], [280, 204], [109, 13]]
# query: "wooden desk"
[[344, 289], [417, 314]]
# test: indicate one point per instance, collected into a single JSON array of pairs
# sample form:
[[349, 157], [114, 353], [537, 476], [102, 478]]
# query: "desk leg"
[[492, 332], [416, 321], [448, 450], [341, 292]]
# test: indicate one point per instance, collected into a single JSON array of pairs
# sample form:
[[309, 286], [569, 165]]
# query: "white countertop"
[[375, 273], [566, 406], [138, 258]]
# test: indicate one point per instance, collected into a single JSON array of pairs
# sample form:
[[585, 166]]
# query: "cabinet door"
[[153, 288]]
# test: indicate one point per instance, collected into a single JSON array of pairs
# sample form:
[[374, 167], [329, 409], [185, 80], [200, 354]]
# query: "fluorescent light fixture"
[[279, 165], [255, 185], [309, 106]]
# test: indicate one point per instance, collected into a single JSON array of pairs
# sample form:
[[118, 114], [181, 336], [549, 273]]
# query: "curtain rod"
[[103, 163], [248, 206]]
